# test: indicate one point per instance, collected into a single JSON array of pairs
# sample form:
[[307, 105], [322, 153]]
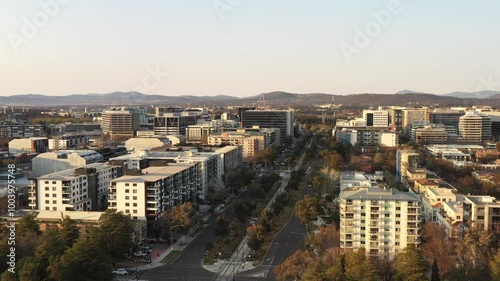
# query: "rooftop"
[[155, 173], [75, 215], [376, 193], [70, 173]]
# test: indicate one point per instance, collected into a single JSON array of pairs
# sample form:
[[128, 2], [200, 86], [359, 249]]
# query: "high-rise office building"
[[175, 123], [281, 119], [474, 127], [376, 118], [120, 123]]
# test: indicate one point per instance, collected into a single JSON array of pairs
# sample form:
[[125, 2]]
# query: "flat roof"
[[70, 173], [376, 193], [75, 215], [155, 173]]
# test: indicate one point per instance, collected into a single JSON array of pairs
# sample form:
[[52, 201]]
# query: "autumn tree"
[[294, 267], [183, 213], [437, 246], [328, 237], [265, 156], [435, 276], [495, 265], [307, 209], [475, 250], [410, 264]]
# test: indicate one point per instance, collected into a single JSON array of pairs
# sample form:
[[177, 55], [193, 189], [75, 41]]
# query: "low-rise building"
[[482, 211], [51, 162], [28, 145], [68, 141], [136, 144]]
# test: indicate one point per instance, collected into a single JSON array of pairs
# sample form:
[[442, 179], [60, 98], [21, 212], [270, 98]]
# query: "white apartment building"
[[382, 221], [67, 141], [154, 190], [389, 139], [51, 162], [474, 127], [137, 144], [483, 211], [79, 189], [352, 179], [376, 118], [210, 170]]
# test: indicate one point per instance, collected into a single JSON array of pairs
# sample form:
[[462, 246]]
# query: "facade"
[[154, 190], [383, 221], [249, 144], [51, 162], [281, 119], [68, 141], [230, 157], [474, 127], [412, 115], [447, 117], [199, 133], [210, 171], [137, 144], [78, 189], [87, 129], [430, 135], [120, 123], [28, 145], [405, 159], [16, 130], [175, 123], [389, 139], [376, 118], [483, 211], [396, 117]]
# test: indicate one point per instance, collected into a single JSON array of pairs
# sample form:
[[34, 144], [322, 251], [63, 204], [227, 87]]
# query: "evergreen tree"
[[435, 271], [358, 267], [86, 260], [495, 267], [69, 231], [410, 264], [222, 226]]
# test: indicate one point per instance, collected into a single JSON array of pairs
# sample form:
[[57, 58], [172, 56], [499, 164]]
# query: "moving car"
[[121, 271], [139, 254]]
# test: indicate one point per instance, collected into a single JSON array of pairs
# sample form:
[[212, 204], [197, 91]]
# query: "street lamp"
[[171, 235]]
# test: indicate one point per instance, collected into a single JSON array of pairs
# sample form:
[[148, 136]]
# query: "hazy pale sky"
[[246, 47]]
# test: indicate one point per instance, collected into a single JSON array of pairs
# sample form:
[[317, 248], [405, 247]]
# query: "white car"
[[139, 254], [121, 271]]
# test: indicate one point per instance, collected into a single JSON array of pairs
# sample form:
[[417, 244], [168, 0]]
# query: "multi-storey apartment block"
[[79, 189], [120, 123], [68, 141], [28, 145], [154, 190], [16, 130], [383, 221]]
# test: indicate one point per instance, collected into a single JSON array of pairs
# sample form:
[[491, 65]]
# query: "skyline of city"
[[55, 48]]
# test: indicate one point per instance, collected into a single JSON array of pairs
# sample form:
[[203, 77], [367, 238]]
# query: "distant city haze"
[[243, 48]]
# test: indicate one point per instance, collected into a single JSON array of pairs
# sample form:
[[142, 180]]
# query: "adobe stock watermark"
[[222, 7], [488, 84], [40, 19], [152, 80], [363, 37]]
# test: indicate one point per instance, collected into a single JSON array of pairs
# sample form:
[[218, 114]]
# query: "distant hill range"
[[405, 97]]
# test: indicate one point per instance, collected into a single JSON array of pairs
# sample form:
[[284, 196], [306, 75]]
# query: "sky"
[[244, 48]]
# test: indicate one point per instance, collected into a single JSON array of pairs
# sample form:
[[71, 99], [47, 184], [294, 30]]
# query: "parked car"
[[139, 254], [147, 249], [121, 271]]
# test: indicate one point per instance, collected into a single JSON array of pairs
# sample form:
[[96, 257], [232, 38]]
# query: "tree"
[[222, 226], [495, 265], [28, 223], [52, 246], [9, 276], [86, 260], [69, 231], [266, 219], [475, 251], [435, 272], [254, 242], [358, 267], [295, 266], [182, 214], [307, 209], [437, 246], [314, 273], [497, 145], [264, 156], [337, 271], [31, 270], [328, 237], [243, 209], [114, 234], [410, 264]]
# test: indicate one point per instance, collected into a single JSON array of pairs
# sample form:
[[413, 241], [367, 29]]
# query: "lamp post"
[[171, 235]]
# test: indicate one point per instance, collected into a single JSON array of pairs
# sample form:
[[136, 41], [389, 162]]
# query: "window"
[[135, 211], [127, 197], [398, 215], [54, 208], [46, 188], [135, 184], [135, 197], [397, 243], [480, 217], [398, 208], [363, 228], [127, 191], [47, 201], [47, 208], [363, 214], [134, 190], [127, 204], [47, 195], [53, 182], [54, 188], [398, 222], [127, 211], [54, 201], [127, 184], [46, 181], [54, 195], [135, 204]]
